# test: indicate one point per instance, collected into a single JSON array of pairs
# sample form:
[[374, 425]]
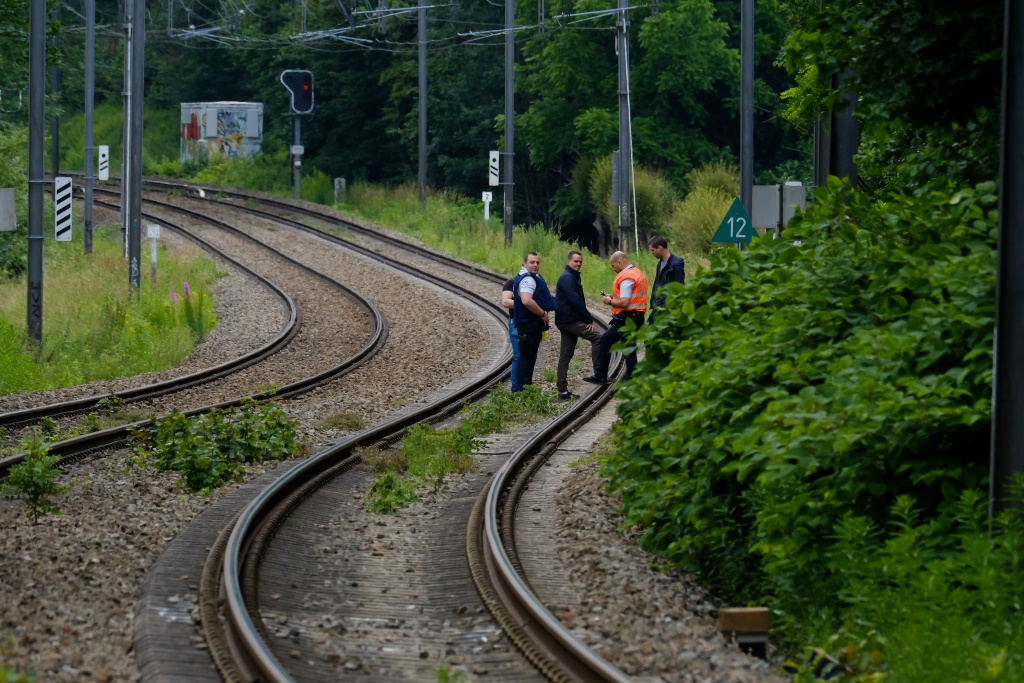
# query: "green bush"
[[34, 480], [791, 387], [653, 197], [211, 449], [717, 175], [694, 220]]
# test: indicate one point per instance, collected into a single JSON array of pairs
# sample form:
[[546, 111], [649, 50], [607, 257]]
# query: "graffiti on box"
[[198, 138]]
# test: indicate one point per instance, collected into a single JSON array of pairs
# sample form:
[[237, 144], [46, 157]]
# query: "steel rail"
[[217, 191], [26, 416], [239, 646], [497, 571]]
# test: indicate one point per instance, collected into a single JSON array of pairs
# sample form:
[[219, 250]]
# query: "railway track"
[[77, 447], [242, 651], [240, 647]]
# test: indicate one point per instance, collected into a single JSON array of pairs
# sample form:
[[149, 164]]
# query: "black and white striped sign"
[[492, 168], [62, 209], [104, 167]]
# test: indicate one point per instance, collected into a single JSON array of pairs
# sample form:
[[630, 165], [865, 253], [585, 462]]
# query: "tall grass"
[[92, 328], [455, 225]]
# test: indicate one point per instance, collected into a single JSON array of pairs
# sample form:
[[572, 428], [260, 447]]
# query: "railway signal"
[[299, 83], [104, 166]]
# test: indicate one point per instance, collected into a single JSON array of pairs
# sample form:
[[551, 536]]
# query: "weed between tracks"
[[427, 455]]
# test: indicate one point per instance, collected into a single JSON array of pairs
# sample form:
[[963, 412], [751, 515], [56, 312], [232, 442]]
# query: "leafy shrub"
[[951, 581], [694, 220], [211, 449], [790, 387], [654, 196], [34, 480], [720, 176]]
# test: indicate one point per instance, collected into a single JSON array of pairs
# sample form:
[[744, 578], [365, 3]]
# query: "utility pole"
[[55, 91], [36, 141], [422, 16], [1008, 373], [747, 103], [90, 85], [135, 155], [126, 115], [625, 143], [510, 114]]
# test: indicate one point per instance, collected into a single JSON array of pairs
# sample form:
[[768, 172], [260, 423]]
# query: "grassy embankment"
[[92, 329]]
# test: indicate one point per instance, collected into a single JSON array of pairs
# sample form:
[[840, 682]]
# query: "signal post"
[[299, 83]]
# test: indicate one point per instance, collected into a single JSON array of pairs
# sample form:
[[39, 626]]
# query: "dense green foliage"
[[14, 174], [810, 426], [211, 449], [683, 79], [34, 479]]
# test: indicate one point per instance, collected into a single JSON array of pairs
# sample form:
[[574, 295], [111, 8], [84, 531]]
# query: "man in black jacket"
[[573, 320], [670, 269]]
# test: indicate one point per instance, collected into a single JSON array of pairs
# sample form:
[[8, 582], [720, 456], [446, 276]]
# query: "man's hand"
[[590, 327]]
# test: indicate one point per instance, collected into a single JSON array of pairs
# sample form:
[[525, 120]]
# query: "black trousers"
[[610, 338], [529, 345]]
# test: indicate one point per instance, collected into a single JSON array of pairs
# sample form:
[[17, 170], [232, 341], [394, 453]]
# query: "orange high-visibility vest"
[[638, 299]]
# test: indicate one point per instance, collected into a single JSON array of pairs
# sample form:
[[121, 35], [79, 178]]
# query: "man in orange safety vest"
[[629, 302]]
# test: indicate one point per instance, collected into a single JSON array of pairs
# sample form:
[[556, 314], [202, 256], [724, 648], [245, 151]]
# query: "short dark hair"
[[573, 253], [657, 242], [528, 254]]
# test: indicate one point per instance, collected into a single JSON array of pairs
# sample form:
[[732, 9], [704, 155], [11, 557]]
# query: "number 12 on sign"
[[736, 226]]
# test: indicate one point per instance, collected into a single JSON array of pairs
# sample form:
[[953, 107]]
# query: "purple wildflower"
[[188, 292], [174, 297]]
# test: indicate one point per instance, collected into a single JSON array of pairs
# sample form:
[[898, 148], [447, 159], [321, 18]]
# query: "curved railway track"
[[240, 647], [77, 447], [237, 635]]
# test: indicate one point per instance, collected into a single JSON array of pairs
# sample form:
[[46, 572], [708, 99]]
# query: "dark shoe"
[[566, 396], [593, 379]]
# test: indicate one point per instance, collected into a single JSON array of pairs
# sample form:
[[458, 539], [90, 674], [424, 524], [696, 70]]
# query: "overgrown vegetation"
[[34, 479], [427, 455], [212, 449], [92, 328], [455, 225], [810, 426]]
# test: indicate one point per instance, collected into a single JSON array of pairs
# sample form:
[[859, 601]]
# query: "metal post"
[[510, 113], [296, 158], [36, 141], [747, 103], [55, 91], [126, 118], [845, 132], [1008, 374], [423, 105], [135, 186], [90, 80], [625, 150]]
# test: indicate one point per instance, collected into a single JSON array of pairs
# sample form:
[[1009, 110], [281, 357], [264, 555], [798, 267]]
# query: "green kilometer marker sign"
[[736, 226]]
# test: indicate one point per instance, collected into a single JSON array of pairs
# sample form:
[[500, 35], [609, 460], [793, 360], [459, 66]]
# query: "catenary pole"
[[422, 50], [510, 112], [135, 185], [126, 118], [296, 159], [55, 91], [747, 103], [1008, 387], [36, 141], [90, 86], [625, 151]]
